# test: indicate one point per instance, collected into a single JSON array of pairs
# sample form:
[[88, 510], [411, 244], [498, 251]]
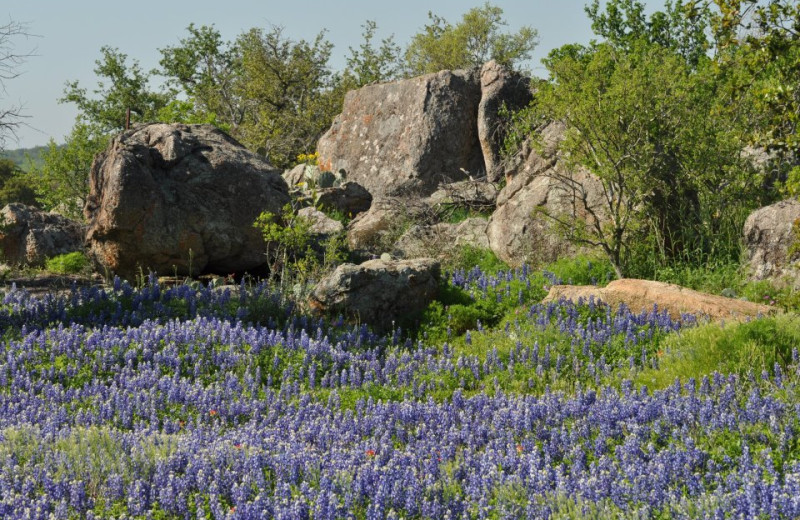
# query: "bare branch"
[[10, 61]]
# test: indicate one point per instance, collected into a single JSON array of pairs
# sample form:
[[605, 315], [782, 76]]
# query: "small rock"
[[321, 224], [378, 292]]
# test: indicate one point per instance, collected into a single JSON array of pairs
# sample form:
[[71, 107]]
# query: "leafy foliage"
[[294, 255], [368, 64], [663, 116], [68, 263], [63, 177], [288, 86], [121, 87], [15, 185], [206, 70], [469, 43], [682, 27]]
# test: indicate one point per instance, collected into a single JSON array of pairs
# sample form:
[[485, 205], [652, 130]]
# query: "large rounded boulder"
[[179, 198]]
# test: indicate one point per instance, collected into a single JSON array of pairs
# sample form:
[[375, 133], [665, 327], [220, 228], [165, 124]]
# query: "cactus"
[[326, 179]]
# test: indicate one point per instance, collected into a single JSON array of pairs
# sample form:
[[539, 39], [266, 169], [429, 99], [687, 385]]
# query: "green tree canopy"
[[289, 91], [469, 43], [63, 177], [206, 71], [368, 64], [641, 120], [682, 27], [120, 87], [15, 185]]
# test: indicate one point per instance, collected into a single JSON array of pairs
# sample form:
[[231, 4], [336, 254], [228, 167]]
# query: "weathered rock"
[[407, 136], [321, 224], [474, 194], [179, 197], [499, 86], [518, 230], [296, 175], [388, 218], [378, 292], [442, 239], [350, 199], [770, 237], [30, 236], [641, 295]]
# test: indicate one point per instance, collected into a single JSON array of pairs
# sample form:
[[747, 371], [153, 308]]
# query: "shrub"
[[69, 263]]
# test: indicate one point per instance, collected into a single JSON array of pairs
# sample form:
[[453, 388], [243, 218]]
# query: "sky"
[[67, 37]]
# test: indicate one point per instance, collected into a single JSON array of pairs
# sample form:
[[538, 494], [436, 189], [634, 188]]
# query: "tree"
[[367, 64], [772, 54], [207, 71], [15, 185], [64, 174], [682, 27], [121, 87], [291, 99], [644, 124], [470, 43], [63, 177], [10, 61]]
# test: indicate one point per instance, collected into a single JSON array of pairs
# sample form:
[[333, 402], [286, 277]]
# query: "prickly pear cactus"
[[326, 179]]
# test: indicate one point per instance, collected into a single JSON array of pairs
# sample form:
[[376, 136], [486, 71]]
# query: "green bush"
[[69, 263], [467, 257], [582, 270]]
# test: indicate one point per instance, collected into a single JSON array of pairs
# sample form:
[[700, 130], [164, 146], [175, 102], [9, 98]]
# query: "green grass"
[[732, 348]]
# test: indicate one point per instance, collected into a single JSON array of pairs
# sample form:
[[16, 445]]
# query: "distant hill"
[[23, 157]]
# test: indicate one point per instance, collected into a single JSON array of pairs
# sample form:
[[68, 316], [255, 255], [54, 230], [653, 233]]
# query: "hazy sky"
[[70, 34]]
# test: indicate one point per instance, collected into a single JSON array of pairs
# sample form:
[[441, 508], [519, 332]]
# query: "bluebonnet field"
[[201, 402]]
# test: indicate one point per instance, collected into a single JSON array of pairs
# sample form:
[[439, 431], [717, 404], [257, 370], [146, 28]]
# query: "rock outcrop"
[[378, 292], [407, 136], [499, 86], [519, 230], [772, 239], [641, 295], [29, 236], [179, 197]]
